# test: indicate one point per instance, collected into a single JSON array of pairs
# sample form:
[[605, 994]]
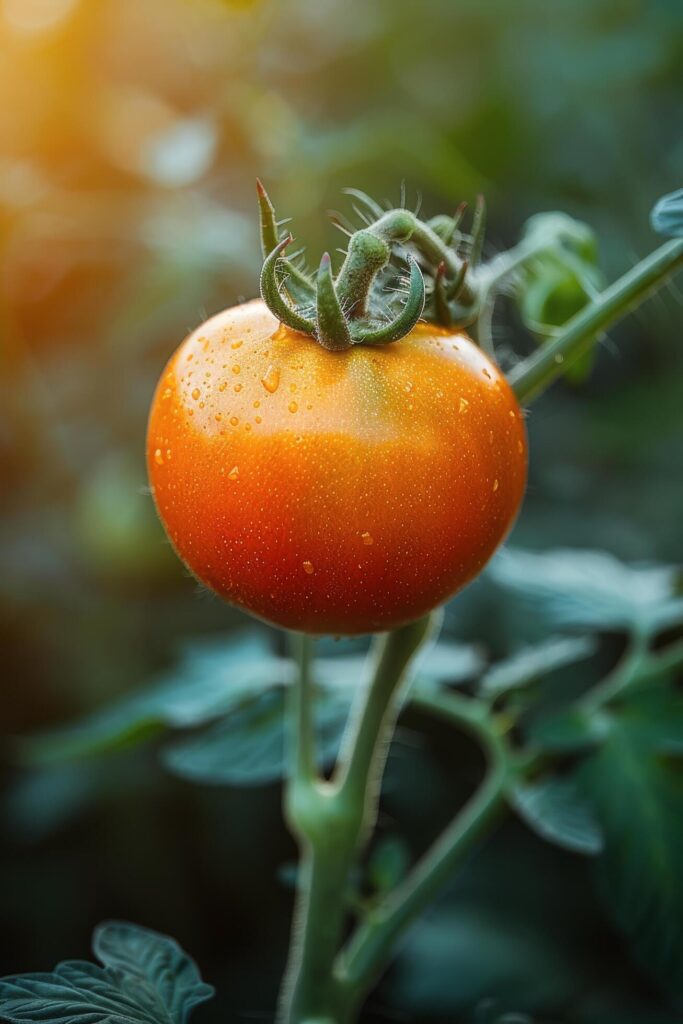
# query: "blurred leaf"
[[453, 959], [570, 730], [592, 589], [638, 798], [146, 979], [555, 810], [446, 662], [210, 678], [653, 716], [528, 664], [41, 801], [667, 215], [388, 863], [247, 748], [559, 283]]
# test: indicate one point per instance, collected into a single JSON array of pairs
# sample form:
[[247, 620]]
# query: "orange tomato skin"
[[333, 492]]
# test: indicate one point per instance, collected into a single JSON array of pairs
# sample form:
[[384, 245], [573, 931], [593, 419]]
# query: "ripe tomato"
[[333, 492]]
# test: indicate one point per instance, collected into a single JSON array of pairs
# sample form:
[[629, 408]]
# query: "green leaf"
[[453, 663], [654, 717], [209, 679], [247, 748], [388, 863], [555, 810], [570, 730], [592, 589], [638, 797], [667, 215], [146, 979], [530, 663]]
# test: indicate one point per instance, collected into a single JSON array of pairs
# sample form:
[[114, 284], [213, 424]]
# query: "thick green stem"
[[374, 943], [534, 374], [330, 820]]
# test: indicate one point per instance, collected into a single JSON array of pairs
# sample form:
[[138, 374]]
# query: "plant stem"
[[534, 374], [374, 942], [330, 821], [301, 717]]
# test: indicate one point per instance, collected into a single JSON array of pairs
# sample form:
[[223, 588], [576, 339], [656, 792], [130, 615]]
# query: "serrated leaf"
[[591, 589], [638, 797], [247, 748], [555, 810], [146, 979], [209, 679], [667, 215], [528, 664]]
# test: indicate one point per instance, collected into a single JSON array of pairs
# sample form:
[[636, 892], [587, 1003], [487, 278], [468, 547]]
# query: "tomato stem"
[[532, 376], [331, 822], [371, 947]]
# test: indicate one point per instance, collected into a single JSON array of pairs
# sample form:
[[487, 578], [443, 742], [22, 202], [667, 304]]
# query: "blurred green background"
[[131, 132]]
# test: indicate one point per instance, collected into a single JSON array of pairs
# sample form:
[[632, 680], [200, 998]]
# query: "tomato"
[[334, 492]]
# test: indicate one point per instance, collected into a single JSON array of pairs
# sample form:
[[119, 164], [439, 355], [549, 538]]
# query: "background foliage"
[[130, 136]]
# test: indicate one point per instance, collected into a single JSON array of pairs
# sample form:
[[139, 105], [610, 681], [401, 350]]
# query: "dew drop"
[[234, 473], [308, 567], [236, 368], [237, 388], [234, 421], [520, 447], [463, 405], [256, 404], [167, 393], [367, 538], [237, 344], [223, 385], [559, 358], [293, 407], [196, 393], [159, 457], [271, 381], [495, 485], [257, 419]]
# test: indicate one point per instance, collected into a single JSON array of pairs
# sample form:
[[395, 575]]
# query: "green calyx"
[[370, 301]]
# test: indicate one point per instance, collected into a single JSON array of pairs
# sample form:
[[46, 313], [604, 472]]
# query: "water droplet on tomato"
[[495, 485], [237, 388], [308, 567], [236, 344], [159, 457], [234, 421], [196, 393], [293, 407], [271, 381], [463, 405], [367, 538], [236, 368], [234, 473]]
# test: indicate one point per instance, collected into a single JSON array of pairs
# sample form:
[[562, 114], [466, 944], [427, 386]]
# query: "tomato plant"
[[342, 456], [334, 492]]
